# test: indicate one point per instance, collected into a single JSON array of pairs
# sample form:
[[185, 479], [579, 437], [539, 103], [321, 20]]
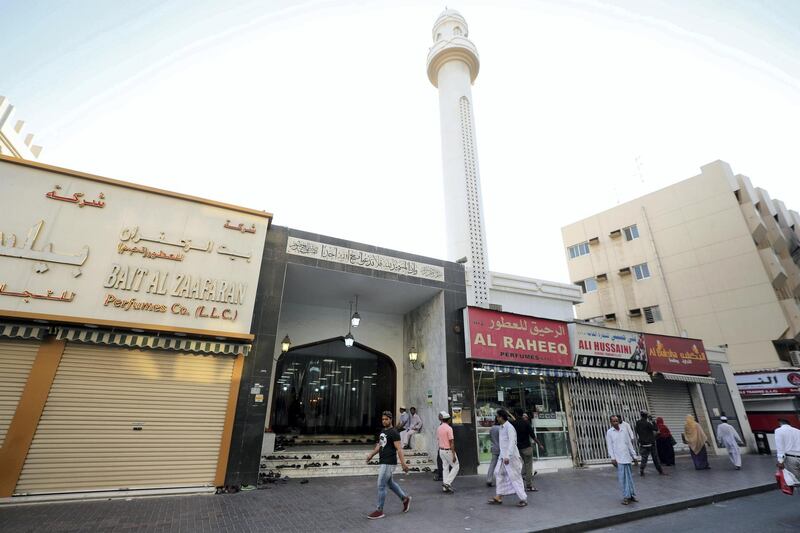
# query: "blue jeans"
[[384, 480]]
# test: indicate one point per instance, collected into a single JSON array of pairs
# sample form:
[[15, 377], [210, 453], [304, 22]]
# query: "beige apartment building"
[[710, 257]]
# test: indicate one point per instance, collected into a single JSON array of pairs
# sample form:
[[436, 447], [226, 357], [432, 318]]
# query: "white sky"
[[321, 112]]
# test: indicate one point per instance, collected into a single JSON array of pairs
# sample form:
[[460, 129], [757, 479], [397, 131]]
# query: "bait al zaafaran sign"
[[85, 249]]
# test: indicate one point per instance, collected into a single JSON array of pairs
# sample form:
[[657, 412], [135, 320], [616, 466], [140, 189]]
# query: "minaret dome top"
[[451, 42]]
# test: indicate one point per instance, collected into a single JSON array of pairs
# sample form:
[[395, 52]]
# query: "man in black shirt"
[[389, 448], [646, 432], [524, 435]]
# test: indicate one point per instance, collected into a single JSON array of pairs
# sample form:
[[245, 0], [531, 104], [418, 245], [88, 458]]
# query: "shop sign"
[[768, 383], [609, 348], [91, 250], [510, 338], [677, 355]]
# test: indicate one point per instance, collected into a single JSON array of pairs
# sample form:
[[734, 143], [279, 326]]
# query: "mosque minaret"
[[453, 65]]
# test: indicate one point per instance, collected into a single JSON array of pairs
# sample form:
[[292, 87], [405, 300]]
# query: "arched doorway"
[[328, 388]]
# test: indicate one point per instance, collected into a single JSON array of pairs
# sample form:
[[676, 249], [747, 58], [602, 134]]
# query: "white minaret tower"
[[452, 67]]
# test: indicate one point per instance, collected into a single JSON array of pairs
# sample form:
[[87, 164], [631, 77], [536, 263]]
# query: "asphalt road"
[[768, 512]]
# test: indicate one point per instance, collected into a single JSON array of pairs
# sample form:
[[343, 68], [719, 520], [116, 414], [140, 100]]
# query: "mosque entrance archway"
[[326, 388]]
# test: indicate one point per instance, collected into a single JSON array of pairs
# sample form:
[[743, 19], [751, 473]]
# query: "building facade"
[[710, 257], [125, 327]]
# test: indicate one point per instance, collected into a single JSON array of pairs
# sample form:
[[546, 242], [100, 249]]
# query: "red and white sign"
[[511, 338], [768, 383], [677, 355]]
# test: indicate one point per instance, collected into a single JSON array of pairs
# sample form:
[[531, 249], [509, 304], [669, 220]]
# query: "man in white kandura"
[[508, 472], [414, 427], [727, 436], [787, 442]]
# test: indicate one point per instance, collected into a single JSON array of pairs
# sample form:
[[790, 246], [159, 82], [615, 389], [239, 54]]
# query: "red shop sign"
[[677, 355], [510, 338]]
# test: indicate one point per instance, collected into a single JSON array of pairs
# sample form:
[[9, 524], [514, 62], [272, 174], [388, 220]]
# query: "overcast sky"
[[321, 112]]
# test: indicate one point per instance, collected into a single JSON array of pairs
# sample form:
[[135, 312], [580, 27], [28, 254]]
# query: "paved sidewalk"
[[572, 500]]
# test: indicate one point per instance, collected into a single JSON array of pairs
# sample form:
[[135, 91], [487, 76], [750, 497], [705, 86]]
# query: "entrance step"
[[350, 462]]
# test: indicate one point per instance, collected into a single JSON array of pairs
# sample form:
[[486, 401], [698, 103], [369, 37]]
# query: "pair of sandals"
[[495, 501]]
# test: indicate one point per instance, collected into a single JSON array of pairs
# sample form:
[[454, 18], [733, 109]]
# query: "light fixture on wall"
[[413, 357], [286, 343], [355, 318], [348, 339]]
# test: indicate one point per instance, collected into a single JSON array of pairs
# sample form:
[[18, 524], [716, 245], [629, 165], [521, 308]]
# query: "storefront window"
[[539, 396]]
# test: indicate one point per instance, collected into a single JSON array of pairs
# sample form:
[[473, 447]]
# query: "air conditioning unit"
[[610, 317], [794, 357], [634, 312]]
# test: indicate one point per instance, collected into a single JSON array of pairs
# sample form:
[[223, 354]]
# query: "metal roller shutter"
[[593, 402], [86, 438], [672, 401], [16, 360]]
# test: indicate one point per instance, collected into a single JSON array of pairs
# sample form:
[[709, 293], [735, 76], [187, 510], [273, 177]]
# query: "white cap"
[[724, 418], [444, 414], [403, 407]]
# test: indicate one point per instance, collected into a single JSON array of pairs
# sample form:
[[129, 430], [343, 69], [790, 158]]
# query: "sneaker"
[[447, 488], [376, 514], [406, 504], [633, 499]]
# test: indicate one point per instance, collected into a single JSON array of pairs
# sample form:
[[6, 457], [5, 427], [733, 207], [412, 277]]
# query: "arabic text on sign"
[[46, 254], [65, 296]]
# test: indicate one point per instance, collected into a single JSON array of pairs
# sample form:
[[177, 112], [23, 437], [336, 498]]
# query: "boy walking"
[[389, 448]]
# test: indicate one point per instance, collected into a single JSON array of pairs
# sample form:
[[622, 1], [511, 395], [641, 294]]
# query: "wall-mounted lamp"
[[286, 343], [413, 357], [355, 318]]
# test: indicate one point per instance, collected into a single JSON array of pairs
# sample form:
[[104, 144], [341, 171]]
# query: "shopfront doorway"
[[538, 395], [327, 388]]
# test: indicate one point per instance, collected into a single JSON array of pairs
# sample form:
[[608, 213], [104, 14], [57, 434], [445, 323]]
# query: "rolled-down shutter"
[[118, 418], [672, 401], [16, 360]]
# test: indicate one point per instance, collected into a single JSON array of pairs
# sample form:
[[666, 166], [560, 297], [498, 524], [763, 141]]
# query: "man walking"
[[627, 429], [509, 468], [727, 436], [447, 452], [389, 448], [787, 443], [622, 454], [646, 431], [524, 435], [414, 426]]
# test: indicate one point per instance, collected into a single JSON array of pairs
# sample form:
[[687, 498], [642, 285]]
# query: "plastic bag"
[[781, 481], [790, 478]]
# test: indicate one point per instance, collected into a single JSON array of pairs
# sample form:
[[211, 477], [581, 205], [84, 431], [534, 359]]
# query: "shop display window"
[[539, 396]]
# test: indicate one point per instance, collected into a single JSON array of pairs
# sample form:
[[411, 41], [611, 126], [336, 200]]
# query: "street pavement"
[[572, 500], [771, 511]]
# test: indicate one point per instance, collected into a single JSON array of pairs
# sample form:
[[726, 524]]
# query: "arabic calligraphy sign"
[[677, 355], [768, 383], [510, 338], [349, 256], [140, 257], [609, 348]]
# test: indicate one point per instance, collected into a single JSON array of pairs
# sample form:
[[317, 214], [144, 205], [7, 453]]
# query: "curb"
[[620, 518]]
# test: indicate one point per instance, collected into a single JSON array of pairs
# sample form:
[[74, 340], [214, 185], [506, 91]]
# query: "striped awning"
[[613, 374], [527, 370], [689, 379], [135, 340], [23, 331]]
